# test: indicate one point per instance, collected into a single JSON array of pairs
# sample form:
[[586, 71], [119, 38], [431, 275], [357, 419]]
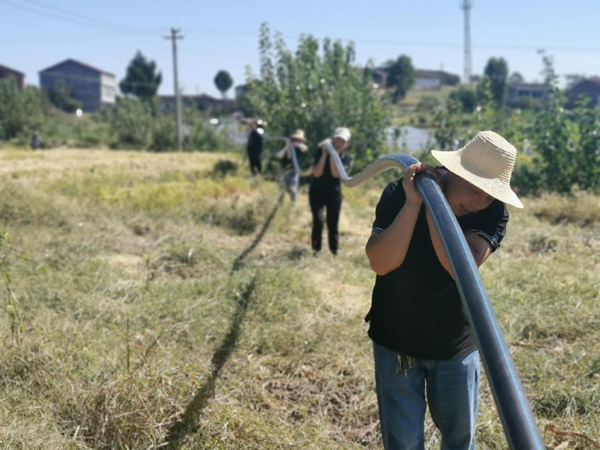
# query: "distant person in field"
[[254, 147], [325, 193], [36, 142], [424, 349], [290, 179]]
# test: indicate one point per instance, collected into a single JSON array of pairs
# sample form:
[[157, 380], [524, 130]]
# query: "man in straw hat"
[[290, 179], [424, 348], [325, 192]]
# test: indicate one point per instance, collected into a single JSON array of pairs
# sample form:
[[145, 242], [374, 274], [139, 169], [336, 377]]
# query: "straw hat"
[[486, 162], [298, 135]]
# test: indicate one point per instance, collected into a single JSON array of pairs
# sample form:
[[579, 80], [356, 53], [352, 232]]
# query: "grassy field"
[[169, 300]]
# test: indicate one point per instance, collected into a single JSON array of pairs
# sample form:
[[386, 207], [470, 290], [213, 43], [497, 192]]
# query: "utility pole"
[[466, 6], [174, 37]]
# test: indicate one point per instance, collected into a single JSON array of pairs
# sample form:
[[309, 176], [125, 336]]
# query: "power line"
[[79, 19], [405, 43], [101, 22], [71, 18]]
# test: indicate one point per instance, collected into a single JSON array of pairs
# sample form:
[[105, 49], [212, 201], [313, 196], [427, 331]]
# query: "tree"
[[142, 79], [21, 111], [572, 79], [318, 88], [60, 96], [223, 81], [554, 141], [466, 97], [516, 78], [131, 124], [401, 75], [496, 70]]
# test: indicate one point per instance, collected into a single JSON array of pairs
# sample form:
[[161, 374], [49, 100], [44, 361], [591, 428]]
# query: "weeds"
[[134, 275], [13, 308]]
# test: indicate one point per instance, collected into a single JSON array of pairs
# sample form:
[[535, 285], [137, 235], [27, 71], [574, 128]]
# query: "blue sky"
[[35, 34]]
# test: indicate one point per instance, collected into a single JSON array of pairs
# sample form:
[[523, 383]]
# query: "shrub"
[[131, 124], [21, 111]]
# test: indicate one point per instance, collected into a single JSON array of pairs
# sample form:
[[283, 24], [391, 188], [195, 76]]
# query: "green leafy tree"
[[142, 78], [131, 123], [401, 76], [553, 140], [317, 88], [588, 149], [455, 126], [466, 97], [21, 111], [223, 82], [496, 70], [60, 96], [515, 78], [572, 79]]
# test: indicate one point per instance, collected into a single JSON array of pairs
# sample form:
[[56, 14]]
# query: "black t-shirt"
[[416, 309], [255, 142], [327, 183]]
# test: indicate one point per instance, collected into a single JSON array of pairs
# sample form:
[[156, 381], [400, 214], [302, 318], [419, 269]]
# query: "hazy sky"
[[35, 34]]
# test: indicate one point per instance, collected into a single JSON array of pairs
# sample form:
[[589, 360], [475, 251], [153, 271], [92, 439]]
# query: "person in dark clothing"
[[325, 193], [254, 146], [424, 349], [36, 142]]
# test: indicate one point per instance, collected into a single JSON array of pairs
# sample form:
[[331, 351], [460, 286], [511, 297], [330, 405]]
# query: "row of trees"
[[561, 148], [320, 87], [143, 79], [135, 120], [131, 123], [317, 88]]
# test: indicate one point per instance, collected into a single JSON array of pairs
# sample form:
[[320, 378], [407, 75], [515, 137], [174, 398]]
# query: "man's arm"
[[320, 165], [386, 251], [333, 170], [480, 248]]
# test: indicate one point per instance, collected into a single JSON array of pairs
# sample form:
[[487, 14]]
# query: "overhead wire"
[[75, 19]]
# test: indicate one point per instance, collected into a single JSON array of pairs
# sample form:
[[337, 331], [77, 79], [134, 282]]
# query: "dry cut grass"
[[171, 301]]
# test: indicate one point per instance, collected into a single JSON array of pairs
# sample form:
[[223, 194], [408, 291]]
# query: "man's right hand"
[[412, 193], [413, 196]]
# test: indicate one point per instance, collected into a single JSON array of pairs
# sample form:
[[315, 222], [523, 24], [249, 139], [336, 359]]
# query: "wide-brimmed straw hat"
[[298, 135], [486, 162]]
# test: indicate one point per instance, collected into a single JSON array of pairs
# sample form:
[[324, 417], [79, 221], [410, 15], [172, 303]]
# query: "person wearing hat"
[[290, 179], [424, 349], [254, 146], [325, 193]]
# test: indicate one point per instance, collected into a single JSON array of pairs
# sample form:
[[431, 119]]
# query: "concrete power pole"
[[178, 120], [466, 6]]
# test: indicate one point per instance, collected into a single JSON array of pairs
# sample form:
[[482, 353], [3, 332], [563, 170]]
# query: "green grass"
[[154, 302]]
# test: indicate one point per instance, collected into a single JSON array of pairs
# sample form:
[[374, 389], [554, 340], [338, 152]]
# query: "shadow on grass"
[[239, 261], [189, 420]]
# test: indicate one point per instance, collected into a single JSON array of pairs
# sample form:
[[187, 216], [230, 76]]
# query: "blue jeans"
[[451, 388]]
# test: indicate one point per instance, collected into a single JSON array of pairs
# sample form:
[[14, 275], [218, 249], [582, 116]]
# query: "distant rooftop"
[[10, 69], [71, 60]]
